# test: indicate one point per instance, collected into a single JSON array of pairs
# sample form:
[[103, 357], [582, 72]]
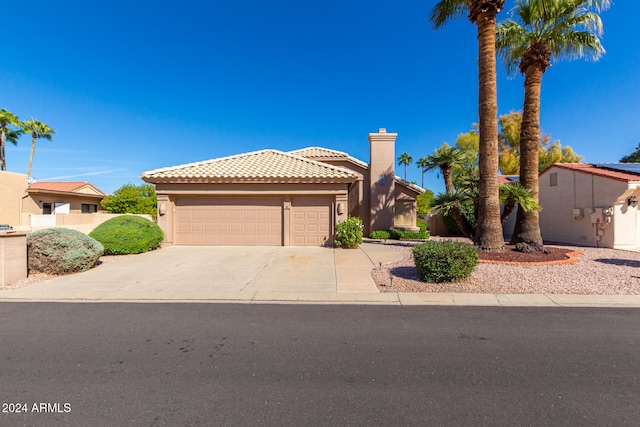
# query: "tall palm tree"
[[544, 30], [405, 159], [37, 130], [483, 13], [444, 158], [8, 120], [422, 164]]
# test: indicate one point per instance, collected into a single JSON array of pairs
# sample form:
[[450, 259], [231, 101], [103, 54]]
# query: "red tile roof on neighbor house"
[[597, 171], [66, 187]]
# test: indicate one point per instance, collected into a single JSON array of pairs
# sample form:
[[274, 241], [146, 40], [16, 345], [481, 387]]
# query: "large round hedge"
[[61, 251], [128, 234]]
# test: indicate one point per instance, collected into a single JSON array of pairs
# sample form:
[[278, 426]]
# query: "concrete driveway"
[[219, 272]]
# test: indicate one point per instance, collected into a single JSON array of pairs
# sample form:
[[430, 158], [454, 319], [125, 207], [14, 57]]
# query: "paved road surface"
[[236, 364]]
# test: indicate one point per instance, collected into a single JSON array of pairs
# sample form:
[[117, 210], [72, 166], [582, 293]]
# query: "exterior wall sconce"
[[632, 201], [162, 209], [340, 208]]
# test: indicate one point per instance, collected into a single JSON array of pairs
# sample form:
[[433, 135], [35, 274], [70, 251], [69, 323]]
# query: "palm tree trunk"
[[33, 149], [2, 158], [447, 175], [489, 230], [527, 228]]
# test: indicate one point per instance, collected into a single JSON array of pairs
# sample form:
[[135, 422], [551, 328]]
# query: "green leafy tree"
[[554, 152], [633, 157], [483, 14], [424, 202], [465, 172], [37, 130], [132, 199], [509, 143], [543, 30], [10, 128], [405, 159]]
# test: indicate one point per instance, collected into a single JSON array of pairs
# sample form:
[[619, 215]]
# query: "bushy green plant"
[[445, 261], [61, 251], [380, 234], [349, 233], [421, 223], [128, 234], [408, 235]]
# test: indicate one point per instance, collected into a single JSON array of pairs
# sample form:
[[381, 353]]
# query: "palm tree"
[[445, 158], [405, 159], [37, 130], [513, 194], [483, 13], [544, 30], [422, 164], [7, 119], [450, 204]]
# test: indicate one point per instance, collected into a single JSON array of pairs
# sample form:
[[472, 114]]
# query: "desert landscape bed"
[[599, 271]]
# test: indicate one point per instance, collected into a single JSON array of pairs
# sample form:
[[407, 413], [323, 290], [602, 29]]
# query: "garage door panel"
[[229, 221], [311, 222]]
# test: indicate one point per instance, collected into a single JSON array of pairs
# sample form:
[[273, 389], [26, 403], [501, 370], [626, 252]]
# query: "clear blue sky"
[[131, 86]]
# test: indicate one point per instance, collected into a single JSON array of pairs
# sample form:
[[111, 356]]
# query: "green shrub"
[[380, 234], [408, 235], [445, 261], [349, 233], [421, 223], [128, 234], [61, 251]]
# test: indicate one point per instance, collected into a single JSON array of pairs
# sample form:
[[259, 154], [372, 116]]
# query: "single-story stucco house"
[[27, 204], [591, 204], [277, 198]]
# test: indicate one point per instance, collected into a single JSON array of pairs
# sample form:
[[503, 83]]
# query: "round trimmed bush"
[[128, 234], [349, 233], [445, 261], [61, 251]]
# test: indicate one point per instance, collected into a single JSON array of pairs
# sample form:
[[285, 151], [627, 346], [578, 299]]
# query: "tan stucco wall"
[[167, 194], [579, 190], [12, 188], [360, 194], [13, 257], [382, 185], [32, 203]]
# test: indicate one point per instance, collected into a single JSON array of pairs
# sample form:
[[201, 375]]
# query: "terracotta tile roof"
[[269, 166], [67, 187], [319, 153], [506, 179], [597, 171]]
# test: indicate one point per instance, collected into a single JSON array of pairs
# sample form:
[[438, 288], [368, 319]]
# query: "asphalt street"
[[237, 364]]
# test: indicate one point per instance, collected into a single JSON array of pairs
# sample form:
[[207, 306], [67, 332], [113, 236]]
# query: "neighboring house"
[[591, 204], [50, 198], [274, 198]]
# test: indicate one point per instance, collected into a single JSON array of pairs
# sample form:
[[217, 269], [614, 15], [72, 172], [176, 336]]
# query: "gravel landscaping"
[[598, 272]]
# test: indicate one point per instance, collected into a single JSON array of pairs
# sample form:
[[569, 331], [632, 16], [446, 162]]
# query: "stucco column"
[[382, 183], [13, 257]]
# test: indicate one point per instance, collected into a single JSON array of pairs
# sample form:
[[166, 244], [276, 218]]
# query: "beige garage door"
[[311, 222], [228, 221]]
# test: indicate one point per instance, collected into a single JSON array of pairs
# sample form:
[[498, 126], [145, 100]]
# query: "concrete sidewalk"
[[266, 275]]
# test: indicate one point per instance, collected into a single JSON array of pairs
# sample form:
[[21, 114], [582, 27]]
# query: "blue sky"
[[131, 86]]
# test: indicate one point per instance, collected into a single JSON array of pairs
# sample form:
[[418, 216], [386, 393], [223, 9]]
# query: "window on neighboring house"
[[46, 209], [87, 208], [553, 179]]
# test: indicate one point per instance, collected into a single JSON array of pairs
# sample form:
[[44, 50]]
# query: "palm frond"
[[446, 10]]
